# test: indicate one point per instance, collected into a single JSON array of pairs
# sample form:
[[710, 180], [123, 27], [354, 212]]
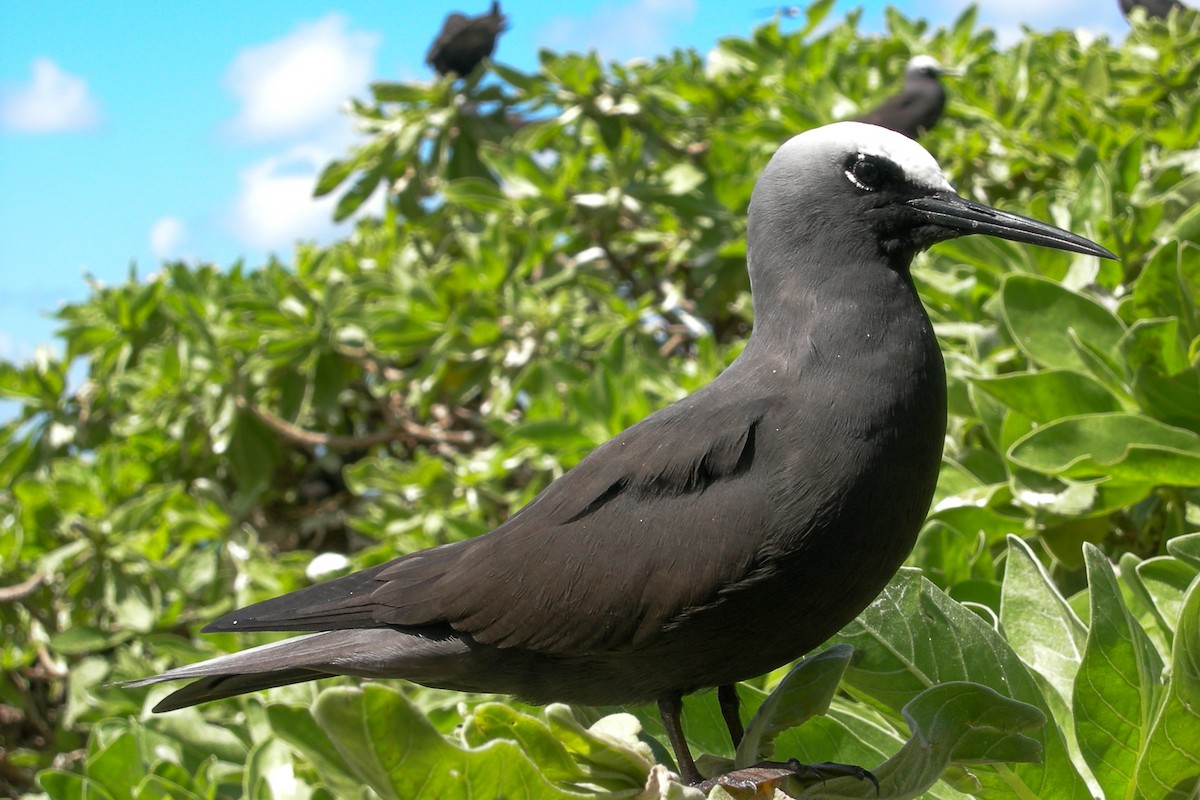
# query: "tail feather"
[[333, 605], [428, 656], [219, 687]]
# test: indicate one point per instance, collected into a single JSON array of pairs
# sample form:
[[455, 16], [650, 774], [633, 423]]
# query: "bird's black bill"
[[955, 213]]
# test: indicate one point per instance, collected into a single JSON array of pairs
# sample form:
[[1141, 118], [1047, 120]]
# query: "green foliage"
[[562, 253]]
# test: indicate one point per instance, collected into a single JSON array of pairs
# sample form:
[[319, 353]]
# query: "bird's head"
[[851, 191], [925, 66]]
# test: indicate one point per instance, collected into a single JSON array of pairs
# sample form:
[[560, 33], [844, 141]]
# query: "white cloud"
[[166, 235], [275, 206], [620, 31], [293, 86], [52, 101], [1007, 17]]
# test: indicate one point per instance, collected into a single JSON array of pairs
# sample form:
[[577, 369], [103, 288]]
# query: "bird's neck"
[[839, 309]]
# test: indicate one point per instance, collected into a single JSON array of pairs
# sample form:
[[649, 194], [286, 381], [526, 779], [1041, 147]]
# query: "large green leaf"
[[1042, 629], [1050, 394], [914, 637], [950, 723], [1117, 689], [112, 763], [805, 691], [1169, 766], [297, 727], [394, 749], [1042, 316], [1121, 447]]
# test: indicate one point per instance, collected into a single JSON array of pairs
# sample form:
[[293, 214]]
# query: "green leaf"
[[495, 721], [334, 173], [115, 764], [1047, 395], [1166, 580], [1041, 315], [954, 722], [1169, 286], [1186, 548], [1119, 447], [962, 723], [1157, 344], [253, 452], [357, 194], [1187, 227], [914, 637], [804, 692], [202, 738], [392, 748], [1117, 688], [62, 785], [609, 750], [1169, 766], [268, 771], [682, 178], [1094, 77], [1039, 624], [476, 194], [814, 14], [82, 639], [297, 727], [391, 92]]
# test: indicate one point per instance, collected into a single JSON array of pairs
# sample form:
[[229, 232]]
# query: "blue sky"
[[132, 132]]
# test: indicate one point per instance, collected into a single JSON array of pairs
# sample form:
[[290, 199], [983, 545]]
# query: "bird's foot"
[[761, 779]]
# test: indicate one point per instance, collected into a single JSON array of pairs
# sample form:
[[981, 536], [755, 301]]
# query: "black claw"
[[831, 769]]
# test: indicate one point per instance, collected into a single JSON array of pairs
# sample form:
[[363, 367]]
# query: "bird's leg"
[[670, 708], [727, 698]]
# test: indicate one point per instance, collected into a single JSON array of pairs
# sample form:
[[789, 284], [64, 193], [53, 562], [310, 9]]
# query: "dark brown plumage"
[[719, 538], [1155, 9], [464, 42], [918, 106]]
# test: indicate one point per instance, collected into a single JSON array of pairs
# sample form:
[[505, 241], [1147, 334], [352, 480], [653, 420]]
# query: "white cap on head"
[[923, 63], [840, 139]]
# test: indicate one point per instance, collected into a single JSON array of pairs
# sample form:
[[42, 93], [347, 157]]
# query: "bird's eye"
[[865, 173]]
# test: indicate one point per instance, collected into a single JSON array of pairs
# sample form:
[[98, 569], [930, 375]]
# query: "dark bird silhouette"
[[722, 536], [919, 105], [464, 42], [1155, 9]]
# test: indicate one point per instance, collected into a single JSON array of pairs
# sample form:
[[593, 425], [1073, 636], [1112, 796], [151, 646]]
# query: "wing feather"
[[653, 523]]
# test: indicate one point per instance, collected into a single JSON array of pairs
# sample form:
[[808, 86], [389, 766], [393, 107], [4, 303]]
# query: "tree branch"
[[400, 430], [20, 591]]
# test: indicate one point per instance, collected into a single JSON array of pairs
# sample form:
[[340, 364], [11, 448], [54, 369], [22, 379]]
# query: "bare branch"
[[20, 591]]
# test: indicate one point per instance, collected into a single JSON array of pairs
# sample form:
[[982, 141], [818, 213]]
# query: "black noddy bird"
[[919, 105], [722, 536], [465, 41], [1155, 9]]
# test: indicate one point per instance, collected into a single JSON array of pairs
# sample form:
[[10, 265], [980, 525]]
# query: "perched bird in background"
[[1155, 9], [919, 105], [464, 42], [722, 536]]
